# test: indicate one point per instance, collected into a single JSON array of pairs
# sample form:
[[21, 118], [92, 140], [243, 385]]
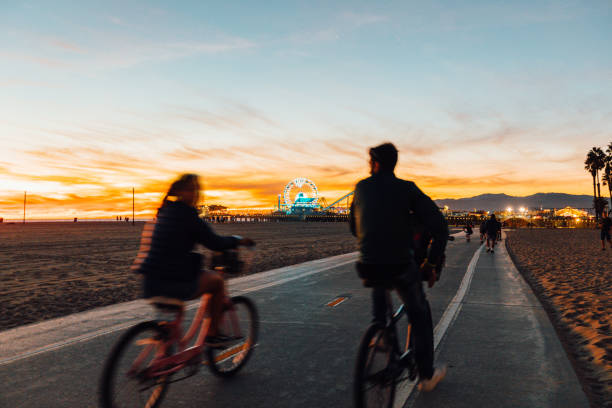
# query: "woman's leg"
[[211, 282]]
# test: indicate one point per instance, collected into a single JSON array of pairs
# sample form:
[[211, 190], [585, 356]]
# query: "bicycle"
[[381, 363], [148, 355]]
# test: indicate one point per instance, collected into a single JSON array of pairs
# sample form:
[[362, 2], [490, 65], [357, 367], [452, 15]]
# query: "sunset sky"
[[480, 97]]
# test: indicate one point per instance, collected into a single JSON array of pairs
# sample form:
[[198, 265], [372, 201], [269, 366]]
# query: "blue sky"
[[479, 96]]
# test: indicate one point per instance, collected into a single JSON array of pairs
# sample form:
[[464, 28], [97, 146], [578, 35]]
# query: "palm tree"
[[589, 165], [599, 164], [607, 176]]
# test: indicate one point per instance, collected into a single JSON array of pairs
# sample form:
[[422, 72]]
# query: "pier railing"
[[453, 221]]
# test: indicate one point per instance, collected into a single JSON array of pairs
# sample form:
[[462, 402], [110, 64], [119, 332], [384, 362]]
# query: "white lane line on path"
[[61, 344], [270, 278], [406, 389]]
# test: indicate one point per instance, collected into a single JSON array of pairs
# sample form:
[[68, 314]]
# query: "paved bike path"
[[502, 350], [305, 356]]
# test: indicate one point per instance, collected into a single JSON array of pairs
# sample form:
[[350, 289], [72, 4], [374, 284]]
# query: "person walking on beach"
[[383, 212], [170, 267], [606, 224], [491, 228]]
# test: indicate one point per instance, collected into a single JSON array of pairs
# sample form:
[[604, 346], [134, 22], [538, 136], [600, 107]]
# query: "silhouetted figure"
[[170, 267], [605, 223], [492, 227], [383, 213], [483, 231], [468, 231]]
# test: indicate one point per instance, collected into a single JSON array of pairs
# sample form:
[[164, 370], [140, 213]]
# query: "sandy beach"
[[53, 269], [572, 277]]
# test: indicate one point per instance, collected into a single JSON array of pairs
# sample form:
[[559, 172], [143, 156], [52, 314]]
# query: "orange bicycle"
[[149, 356]]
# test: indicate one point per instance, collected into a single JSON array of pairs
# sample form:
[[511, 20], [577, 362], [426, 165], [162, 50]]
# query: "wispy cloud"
[[361, 19], [340, 25], [65, 45], [113, 49]]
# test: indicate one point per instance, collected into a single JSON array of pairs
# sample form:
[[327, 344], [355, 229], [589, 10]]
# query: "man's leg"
[[411, 293], [379, 305], [492, 244]]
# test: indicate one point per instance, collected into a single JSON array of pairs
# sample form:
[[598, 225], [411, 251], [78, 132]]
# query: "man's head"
[[383, 158]]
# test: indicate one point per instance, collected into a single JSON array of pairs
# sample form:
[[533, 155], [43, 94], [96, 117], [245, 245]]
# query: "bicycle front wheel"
[[374, 382], [241, 324], [127, 378]]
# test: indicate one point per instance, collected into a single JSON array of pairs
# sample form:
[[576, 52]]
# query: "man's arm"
[[352, 218], [431, 218]]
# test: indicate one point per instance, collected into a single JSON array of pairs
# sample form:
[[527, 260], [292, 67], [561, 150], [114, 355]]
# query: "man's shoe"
[[492, 251], [429, 384]]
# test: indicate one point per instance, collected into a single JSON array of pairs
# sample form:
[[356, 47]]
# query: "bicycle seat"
[[166, 304]]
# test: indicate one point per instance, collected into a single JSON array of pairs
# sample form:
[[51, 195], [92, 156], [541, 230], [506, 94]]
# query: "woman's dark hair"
[[184, 182], [386, 155]]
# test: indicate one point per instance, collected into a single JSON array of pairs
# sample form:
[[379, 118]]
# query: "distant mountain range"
[[493, 202]]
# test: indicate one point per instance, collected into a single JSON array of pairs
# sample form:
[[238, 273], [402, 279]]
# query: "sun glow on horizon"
[[250, 100]]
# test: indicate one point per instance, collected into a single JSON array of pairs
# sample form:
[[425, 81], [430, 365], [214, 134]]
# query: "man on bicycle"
[[383, 213]]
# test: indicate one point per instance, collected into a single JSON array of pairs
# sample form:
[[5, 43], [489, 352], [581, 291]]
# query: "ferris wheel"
[[300, 189]]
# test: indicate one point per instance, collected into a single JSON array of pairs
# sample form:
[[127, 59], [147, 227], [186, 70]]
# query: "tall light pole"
[[25, 194], [132, 205]]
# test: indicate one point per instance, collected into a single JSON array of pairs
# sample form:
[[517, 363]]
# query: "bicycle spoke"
[[155, 395]]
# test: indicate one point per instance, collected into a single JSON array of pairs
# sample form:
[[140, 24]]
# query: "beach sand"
[[54, 269], [572, 277]]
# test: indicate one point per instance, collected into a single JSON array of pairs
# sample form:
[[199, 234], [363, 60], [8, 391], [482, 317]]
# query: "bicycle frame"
[[163, 365], [394, 318]]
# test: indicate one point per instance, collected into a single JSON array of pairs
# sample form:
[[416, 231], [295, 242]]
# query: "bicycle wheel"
[[374, 382], [241, 323], [126, 380]]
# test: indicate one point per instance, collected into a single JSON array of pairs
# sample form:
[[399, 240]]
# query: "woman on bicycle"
[[170, 267]]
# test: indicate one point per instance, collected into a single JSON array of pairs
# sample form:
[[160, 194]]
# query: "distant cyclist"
[[468, 231], [492, 227], [170, 267], [383, 213], [606, 224]]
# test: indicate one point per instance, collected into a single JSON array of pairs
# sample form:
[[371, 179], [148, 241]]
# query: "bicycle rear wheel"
[[126, 380], [241, 323], [374, 382]]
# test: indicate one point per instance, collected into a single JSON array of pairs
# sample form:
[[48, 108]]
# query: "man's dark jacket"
[[384, 212], [492, 226], [170, 268]]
